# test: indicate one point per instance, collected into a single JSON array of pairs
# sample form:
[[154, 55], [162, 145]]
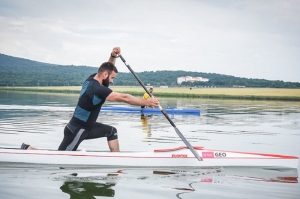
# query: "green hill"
[[23, 72]]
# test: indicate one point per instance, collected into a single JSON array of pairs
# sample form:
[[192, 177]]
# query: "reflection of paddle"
[[164, 112]]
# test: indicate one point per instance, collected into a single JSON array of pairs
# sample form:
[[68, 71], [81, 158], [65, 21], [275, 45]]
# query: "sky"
[[242, 38]]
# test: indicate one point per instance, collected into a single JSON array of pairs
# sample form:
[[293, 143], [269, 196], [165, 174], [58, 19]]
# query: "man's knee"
[[113, 134]]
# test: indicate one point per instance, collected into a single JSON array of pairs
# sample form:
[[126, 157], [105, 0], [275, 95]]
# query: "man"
[[146, 96], [94, 92]]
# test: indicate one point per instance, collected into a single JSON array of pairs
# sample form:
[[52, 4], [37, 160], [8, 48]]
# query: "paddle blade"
[[188, 144]]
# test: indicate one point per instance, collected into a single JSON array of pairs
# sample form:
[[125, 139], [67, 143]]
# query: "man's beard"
[[105, 82]]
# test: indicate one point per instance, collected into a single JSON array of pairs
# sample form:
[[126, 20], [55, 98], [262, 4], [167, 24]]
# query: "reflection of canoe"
[[253, 174], [150, 110], [101, 181], [224, 174], [176, 157], [89, 182]]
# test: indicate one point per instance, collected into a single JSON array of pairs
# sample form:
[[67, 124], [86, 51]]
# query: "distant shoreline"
[[184, 92]]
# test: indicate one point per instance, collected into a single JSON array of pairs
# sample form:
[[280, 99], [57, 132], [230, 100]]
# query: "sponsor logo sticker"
[[179, 155], [208, 154]]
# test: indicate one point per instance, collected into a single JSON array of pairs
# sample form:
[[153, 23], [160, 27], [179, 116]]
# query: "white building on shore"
[[191, 79]]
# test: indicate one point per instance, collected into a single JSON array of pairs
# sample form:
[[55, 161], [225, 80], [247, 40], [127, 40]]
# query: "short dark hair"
[[107, 66]]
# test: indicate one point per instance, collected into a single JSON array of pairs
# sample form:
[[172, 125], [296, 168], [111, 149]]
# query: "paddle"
[[165, 113]]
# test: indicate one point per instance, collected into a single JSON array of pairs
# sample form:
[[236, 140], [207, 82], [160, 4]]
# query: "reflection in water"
[[146, 126], [184, 181], [87, 190], [231, 175], [83, 185], [94, 182], [184, 189]]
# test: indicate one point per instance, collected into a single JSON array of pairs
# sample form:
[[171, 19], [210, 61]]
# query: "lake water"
[[255, 126]]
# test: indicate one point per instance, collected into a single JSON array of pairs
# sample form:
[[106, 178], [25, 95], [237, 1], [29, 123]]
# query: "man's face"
[[151, 90], [109, 79]]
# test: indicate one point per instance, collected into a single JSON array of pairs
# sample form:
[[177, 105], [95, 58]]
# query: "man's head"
[[107, 72], [150, 90]]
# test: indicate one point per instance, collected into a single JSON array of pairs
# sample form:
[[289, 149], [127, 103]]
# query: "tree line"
[[23, 72]]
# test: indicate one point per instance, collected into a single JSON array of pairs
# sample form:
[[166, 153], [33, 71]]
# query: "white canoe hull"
[[177, 157]]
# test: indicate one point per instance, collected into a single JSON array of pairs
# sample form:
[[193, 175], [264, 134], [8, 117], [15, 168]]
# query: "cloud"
[[253, 39]]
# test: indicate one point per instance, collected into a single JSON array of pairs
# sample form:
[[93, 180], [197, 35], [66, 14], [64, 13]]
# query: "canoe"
[[150, 110], [174, 157], [116, 109]]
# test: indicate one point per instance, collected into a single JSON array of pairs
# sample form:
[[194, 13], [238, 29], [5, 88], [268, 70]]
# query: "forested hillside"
[[23, 72]]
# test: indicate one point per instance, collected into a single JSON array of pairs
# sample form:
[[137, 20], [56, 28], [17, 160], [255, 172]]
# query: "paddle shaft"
[[136, 77], [164, 112]]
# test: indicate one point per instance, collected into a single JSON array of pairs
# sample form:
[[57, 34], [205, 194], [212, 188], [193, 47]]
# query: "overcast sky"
[[243, 38]]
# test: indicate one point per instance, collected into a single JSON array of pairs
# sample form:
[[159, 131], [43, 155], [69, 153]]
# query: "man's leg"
[[73, 136], [103, 130], [114, 145], [27, 147]]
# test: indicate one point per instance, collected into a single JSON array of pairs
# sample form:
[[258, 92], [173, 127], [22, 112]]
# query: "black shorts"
[[73, 136]]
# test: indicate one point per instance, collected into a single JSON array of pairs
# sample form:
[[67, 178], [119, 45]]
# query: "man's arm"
[[115, 52], [129, 99]]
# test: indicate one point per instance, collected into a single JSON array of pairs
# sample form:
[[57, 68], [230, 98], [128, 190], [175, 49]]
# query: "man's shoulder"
[[91, 77], [104, 88], [101, 91]]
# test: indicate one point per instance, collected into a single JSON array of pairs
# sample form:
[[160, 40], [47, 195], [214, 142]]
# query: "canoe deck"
[[175, 157]]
